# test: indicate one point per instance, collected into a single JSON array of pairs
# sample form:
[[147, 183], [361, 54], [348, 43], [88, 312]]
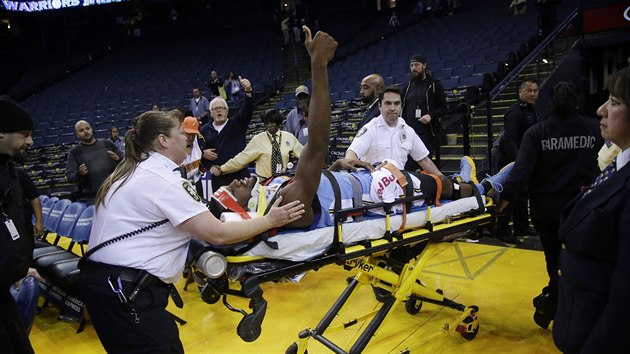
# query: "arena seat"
[[45, 256]]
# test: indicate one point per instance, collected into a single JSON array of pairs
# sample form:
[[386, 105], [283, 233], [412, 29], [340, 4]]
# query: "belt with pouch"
[[128, 283]]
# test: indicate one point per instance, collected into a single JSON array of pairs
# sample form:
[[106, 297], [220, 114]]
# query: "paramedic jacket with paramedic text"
[[556, 157]]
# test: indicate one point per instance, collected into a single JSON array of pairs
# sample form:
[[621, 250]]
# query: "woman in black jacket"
[[594, 261]]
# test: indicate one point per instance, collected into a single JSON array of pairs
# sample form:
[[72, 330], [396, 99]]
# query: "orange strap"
[[400, 178], [402, 182], [438, 182], [228, 201]]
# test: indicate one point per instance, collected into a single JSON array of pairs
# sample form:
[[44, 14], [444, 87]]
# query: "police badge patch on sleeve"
[[191, 191], [361, 131]]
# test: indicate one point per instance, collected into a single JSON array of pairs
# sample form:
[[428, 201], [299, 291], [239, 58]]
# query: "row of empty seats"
[[57, 265]]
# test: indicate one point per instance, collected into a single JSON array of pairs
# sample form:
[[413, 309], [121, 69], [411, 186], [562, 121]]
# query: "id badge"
[[418, 113], [12, 230], [305, 131]]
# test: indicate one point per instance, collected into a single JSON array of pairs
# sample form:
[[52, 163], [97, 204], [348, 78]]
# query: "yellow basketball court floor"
[[501, 280]]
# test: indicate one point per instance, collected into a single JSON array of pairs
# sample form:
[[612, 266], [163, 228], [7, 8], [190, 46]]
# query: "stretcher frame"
[[404, 287]]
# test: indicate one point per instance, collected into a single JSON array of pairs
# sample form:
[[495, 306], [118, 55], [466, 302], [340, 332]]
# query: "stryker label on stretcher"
[[358, 263]]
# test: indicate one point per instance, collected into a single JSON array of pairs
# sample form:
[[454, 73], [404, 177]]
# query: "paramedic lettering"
[[568, 143]]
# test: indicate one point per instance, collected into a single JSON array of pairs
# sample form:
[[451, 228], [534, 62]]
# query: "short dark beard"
[[368, 99], [18, 157]]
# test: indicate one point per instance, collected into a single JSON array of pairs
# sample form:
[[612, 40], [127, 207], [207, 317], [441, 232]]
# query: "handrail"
[[512, 75]]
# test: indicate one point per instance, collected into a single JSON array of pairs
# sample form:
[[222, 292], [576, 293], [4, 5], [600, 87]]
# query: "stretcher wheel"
[[209, 294], [293, 349], [469, 327], [413, 306], [247, 330]]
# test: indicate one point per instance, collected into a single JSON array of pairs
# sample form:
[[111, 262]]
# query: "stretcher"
[[388, 252]]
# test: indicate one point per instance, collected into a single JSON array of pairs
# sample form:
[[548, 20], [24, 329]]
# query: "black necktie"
[[276, 157], [606, 172]]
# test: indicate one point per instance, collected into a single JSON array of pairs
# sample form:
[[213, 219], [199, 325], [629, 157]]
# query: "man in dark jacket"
[[225, 137], [517, 119], [371, 87], [16, 242], [424, 104]]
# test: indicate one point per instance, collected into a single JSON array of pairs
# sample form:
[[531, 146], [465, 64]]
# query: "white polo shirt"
[[377, 142], [152, 193]]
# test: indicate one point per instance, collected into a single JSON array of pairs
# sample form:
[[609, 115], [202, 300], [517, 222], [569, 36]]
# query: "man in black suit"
[[371, 87]]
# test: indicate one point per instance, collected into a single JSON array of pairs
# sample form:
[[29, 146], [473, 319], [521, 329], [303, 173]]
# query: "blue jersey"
[[326, 195]]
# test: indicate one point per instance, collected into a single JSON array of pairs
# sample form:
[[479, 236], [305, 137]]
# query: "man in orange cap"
[[192, 165]]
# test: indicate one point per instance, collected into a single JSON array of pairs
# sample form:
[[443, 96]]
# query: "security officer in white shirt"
[[388, 137], [145, 216]]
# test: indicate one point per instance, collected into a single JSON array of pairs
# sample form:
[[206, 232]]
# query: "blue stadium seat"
[[463, 70], [471, 80], [450, 83]]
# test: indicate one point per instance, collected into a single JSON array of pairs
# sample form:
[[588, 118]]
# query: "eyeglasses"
[[218, 109]]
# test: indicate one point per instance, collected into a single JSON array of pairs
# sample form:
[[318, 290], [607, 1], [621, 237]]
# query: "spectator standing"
[[297, 119], [215, 83], [517, 119], [371, 87], [393, 22], [234, 90], [594, 261], [194, 152], [114, 136], [556, 160], [199, 106], [16, 247], [91, 161], [297, 35], [226, 135], [271, 150], [424, 104], [284, 26]]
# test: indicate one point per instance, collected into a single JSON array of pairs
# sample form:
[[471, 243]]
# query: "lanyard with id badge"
[[8, 223]]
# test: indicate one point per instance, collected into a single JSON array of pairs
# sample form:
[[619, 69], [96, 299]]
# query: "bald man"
[[371, 87], [90, 161]]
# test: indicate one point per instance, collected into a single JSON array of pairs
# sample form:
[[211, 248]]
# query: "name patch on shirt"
[[361, 131], [191, 191]]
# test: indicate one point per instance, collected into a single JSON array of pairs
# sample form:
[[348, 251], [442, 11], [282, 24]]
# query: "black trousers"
[[546, 218], [517, 212], [13, 335], [151, 330]]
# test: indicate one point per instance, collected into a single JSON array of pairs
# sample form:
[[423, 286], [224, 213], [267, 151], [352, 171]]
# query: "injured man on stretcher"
[[351, 180]]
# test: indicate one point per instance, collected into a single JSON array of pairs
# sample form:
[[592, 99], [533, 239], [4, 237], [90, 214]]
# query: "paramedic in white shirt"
[[146, 214], [388, 138]]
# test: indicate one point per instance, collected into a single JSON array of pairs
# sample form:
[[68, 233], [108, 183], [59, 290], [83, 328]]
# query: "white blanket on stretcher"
[[304, 245]]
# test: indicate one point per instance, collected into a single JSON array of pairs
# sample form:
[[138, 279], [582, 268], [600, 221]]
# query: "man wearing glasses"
[[225, 136]]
